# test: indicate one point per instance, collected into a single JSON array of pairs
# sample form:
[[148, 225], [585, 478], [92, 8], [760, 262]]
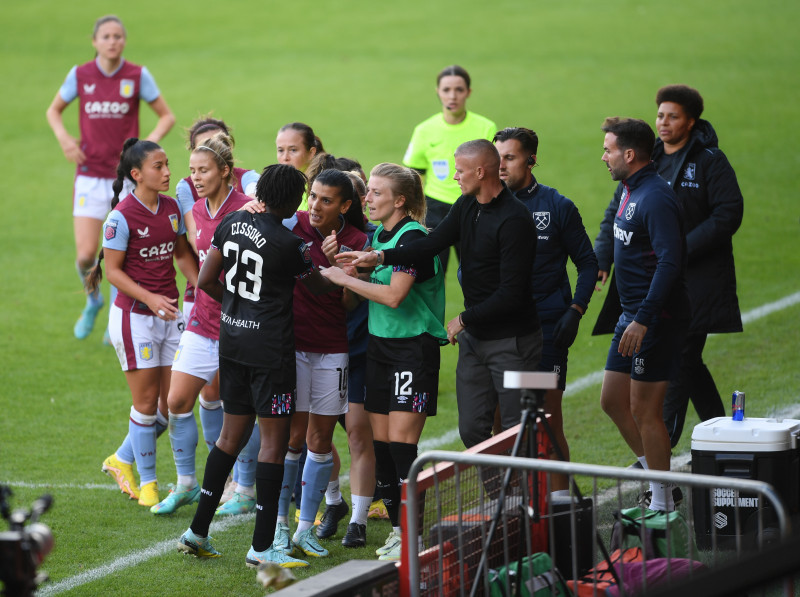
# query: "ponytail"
[[310, 140], [321, 161], [133, 155], [406, 182]]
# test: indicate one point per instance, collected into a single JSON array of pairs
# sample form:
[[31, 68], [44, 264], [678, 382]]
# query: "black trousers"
[[693, 382]]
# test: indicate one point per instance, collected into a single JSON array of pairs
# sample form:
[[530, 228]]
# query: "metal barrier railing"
[[450, 507]]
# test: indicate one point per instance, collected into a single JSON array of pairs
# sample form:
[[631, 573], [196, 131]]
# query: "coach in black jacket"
[[686, 155], [499, 329]]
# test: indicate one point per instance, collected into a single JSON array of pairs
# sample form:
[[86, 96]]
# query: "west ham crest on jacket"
[[541, 219]]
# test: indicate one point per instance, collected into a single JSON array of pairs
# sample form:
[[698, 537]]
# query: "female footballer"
[[296, 145], [333, 216], [197, 358], [109, 89], [356, 421], [261, 260], [244, 181], [142, 235], [406, 315]]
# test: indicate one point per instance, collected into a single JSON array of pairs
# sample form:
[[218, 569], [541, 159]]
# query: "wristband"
[[379, 257], [461, 323]]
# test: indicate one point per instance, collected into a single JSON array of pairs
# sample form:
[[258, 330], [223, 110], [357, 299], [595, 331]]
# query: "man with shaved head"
[[499, 329]]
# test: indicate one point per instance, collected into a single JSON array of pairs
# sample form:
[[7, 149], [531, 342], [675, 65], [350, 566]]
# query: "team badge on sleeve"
[[305, 252], [146, 351], [126, 88], [173, 219], [111, 229], [542, 219]]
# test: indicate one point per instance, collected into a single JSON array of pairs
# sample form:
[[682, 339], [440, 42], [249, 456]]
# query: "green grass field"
[[363, 75]]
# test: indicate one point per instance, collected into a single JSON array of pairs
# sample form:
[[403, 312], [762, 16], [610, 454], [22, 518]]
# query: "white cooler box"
[[760, 449]]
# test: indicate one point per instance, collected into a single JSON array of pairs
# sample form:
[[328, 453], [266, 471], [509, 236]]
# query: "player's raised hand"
[[336, 275], [254, 207], [330, 246], [358, 258]]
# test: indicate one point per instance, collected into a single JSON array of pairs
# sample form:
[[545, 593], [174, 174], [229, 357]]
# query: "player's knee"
[[610, 407], [359, 443], [179, 404]]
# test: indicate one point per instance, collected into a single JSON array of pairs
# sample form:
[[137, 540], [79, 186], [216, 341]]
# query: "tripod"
[[533, 421]]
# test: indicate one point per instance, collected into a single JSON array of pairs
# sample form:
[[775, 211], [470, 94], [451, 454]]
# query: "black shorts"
[[659, 358], [247, 390], [402, 375]]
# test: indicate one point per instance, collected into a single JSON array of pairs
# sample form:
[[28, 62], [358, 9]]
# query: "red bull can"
[[737, 405]]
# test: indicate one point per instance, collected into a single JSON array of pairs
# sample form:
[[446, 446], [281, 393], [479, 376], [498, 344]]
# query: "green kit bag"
[[659, 534], [538, 578]]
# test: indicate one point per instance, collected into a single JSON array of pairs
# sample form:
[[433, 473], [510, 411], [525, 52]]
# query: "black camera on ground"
[[24, 546]]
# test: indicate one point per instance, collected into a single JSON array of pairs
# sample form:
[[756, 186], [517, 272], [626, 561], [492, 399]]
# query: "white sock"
[[187, 481], [210, 405], [332, 494], [361, 504], [303, 525], [661, 497], [244, 490]]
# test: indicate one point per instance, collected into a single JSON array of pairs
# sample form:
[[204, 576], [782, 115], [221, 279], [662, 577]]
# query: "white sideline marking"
[[593, 379], [162, 547], [134, 558], [769, 308], [24, 485]]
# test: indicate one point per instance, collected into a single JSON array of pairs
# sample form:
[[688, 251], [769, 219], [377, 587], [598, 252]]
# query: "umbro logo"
[[143, 233], [89, 88]]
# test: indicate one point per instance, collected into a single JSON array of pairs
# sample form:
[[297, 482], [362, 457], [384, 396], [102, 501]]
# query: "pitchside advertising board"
[[760, 449]]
